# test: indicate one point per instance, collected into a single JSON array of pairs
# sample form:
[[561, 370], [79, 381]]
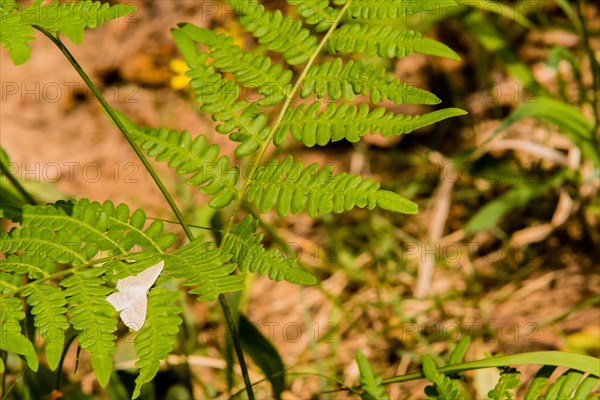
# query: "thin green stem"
[[26, 195], [188, 232]]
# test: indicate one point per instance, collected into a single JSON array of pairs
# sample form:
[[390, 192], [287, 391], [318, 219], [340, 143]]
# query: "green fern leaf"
[[156, 338], [316, 12], [443, 387], [370, 383], [384, 41], [93, 317], [211, 173], [39, 251], [253, 71], [48, 309], [539, 382], [248, 252], [585, 387], [278, 32], [70, 19], [390, 9], [99, 227], [11, 338], [338, 80], [509, 380], [290, 187], [205, 267], [350, 122], [242, 120]]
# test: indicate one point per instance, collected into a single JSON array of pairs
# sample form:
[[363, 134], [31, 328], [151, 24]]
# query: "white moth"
[[132, 298]]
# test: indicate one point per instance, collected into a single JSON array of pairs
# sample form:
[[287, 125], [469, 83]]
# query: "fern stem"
[[263, 147], [188, 232], [108, 109], [26, 195]]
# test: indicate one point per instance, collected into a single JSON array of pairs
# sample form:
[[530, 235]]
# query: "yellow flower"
[[179, 81]]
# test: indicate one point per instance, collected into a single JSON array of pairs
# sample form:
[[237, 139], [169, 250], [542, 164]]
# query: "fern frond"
[[253, 71], [93, 317], [248, 252], [279, 33], [370, 383], [539, 382], [158, 335], [290, 187], [443, 387], [205, 267], [211, 173], [509, 380], [316, 12], [338, 80], [11, 337], [564, 385], [48, 309], [242, 120], [385, 41], [70, 19], [350, 122]]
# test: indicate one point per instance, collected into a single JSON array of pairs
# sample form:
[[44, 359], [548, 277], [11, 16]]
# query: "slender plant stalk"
[[108, 109], [15, 182]]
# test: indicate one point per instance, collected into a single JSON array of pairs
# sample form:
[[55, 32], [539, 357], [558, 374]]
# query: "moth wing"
[[144, 279], [134, 315], [120, 300]]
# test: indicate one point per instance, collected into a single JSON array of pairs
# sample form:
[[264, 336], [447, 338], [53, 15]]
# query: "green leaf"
[[443, 387], [11, 338], [509, 380], [371, 384], [350, 122], [539, 382], [264, 354], [385, 41], [568, 118], [158, 335]]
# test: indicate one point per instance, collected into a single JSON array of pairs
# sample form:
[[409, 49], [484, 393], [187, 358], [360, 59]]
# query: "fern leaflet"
[[93, 317], [385, 41], [48, 309], [443, 387], [11, 339], [316, 12], [70, 19], [278, 32], [290, 187], [370, 383], [509, 380], [338, 80], [389, 9], [157, 337], [248, 252], [314, 127]]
